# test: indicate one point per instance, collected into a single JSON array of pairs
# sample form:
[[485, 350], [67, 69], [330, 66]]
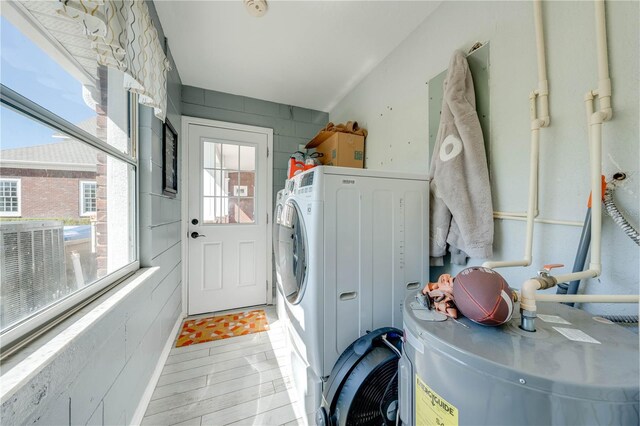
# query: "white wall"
[[392, 103]]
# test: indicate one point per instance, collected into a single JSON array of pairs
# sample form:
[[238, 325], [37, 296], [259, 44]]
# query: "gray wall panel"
[[291, 125]]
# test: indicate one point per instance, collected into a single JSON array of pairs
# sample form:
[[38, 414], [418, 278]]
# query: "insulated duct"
[[617, 216]]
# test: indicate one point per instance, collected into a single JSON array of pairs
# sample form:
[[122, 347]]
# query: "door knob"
[[196, 235], [194, 221]]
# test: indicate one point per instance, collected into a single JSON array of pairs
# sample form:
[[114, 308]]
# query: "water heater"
[[576, 369]]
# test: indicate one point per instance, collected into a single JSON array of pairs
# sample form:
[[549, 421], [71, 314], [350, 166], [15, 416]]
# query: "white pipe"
[[604, 83], [588, 104], [528, 295], [533, 191], [596, 192], [595, 120], [565, 278], [537, 121], [588, 298], [501, 215], [560, 222], [595, 149], [506, 263], [543, 86], [533, 195], [539, 220]]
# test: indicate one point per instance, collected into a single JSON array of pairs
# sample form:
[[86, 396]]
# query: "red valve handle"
[[550, 266]]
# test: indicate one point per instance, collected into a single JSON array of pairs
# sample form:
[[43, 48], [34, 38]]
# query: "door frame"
[[184, 185]]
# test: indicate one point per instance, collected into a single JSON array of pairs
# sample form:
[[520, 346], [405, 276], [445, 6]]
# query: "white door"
[[228, 205]]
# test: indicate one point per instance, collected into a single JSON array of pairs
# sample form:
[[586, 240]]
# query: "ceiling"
[[303, 53]]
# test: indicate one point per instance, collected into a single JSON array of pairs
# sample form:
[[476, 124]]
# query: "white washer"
[[351, 245]]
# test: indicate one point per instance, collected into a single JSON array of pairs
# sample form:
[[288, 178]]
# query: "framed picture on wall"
[[169, 160]]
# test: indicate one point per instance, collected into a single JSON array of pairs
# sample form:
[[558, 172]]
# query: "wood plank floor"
[[237, 381]]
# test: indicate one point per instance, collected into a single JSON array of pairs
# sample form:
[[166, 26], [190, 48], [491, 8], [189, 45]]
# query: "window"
[[229, 175], [87, 198], [9, 197], [67, 171]]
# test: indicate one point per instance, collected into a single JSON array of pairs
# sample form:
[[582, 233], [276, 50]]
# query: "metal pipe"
[[528, 323]]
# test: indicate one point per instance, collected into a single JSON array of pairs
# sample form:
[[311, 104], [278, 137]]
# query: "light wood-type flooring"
[[237, 381]]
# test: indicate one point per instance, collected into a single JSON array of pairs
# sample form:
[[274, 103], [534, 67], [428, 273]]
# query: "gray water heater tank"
[[576, 369]]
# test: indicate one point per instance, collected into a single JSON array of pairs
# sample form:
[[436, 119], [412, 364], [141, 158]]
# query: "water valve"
[[546, 269]]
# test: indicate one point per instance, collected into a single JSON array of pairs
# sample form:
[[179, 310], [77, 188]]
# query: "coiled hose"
[[611, 208]]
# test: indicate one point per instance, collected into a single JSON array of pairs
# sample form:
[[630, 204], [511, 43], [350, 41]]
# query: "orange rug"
[[222, 327]]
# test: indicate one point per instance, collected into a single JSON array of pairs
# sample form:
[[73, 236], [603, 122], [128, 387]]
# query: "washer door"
[[292, 252]]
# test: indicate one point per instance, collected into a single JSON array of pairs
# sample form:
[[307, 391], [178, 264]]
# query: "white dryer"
[[352, 243]]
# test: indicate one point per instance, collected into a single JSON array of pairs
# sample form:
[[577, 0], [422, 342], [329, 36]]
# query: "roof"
[[68, 154]]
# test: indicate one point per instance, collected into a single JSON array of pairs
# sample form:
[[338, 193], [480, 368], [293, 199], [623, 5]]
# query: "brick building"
[[56, 180], [241, 185]]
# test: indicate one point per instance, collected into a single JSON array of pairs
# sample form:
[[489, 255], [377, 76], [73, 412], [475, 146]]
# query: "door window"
[[229, 179]]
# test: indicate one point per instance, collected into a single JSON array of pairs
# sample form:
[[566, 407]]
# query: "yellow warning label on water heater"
[[432, 409]]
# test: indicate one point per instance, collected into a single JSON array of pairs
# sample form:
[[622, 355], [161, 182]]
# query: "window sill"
[[21, 367]]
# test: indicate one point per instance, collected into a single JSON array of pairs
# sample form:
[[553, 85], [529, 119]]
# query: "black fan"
[[363, 386]]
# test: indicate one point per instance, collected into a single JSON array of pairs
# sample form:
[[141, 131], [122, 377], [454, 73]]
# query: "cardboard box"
[[340, 149]]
